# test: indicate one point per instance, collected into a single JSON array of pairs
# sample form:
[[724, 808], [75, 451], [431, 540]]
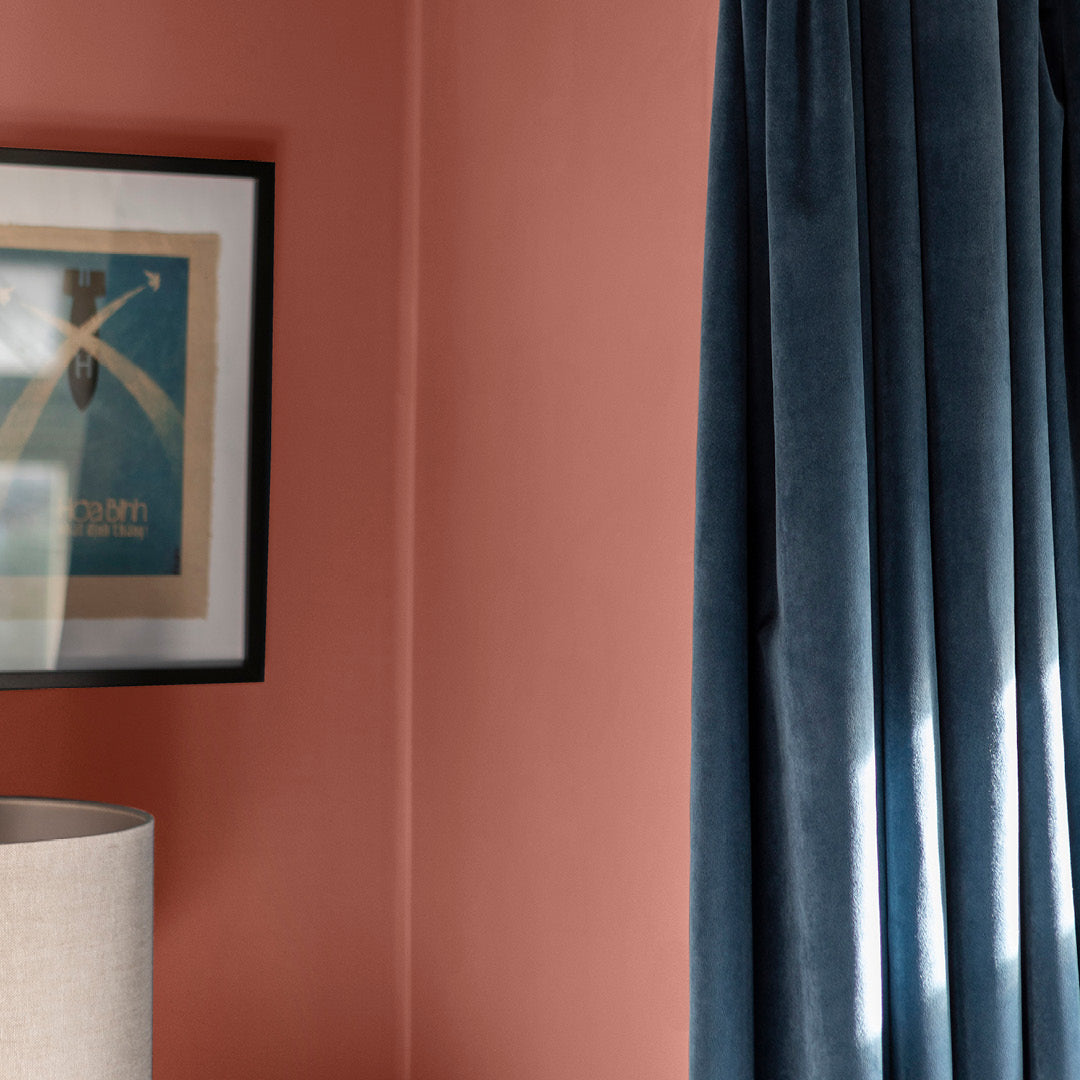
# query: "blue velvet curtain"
[[886, 750]]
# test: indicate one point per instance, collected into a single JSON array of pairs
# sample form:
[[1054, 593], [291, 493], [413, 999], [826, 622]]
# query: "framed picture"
[[135, 340]]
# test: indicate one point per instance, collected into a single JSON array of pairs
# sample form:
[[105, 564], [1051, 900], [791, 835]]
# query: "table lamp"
[[76, 940]]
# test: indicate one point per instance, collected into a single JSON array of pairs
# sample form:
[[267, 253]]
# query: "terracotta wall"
[[564, 155], [275, 803], [447, 838]]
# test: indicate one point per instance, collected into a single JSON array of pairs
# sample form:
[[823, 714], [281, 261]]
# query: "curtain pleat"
[[917, 968], [886, 695]]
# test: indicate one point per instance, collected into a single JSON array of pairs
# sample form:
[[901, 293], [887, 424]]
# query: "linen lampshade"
[[76, 940]]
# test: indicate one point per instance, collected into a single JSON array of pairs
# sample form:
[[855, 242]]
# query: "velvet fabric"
[[886, 694]]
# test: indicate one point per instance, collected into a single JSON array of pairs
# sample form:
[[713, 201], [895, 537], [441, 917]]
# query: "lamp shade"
[[76, 940]]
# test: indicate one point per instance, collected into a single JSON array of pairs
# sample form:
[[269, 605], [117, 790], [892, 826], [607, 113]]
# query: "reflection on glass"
[[34, 557]]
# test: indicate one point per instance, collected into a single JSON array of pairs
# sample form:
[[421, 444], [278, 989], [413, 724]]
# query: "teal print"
[[93, 369]]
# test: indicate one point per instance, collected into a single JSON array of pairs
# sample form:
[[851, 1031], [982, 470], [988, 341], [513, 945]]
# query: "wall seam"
[[405, 525]]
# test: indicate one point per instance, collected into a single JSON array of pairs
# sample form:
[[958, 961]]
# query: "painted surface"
[[563, 192], [274, 803], [563, 152]]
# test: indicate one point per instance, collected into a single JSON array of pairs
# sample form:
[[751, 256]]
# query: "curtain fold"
[[886, 697]]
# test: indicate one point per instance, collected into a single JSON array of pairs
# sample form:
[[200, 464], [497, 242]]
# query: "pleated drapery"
[[886, 699]]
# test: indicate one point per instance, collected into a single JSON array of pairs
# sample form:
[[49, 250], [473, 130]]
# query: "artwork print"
[[106, 422]]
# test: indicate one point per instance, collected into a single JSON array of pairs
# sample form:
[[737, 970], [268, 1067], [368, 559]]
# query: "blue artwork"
[[93, 373]]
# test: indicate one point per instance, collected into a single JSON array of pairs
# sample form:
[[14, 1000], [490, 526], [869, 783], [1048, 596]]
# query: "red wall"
[[452, 824], [275, 803], [564, 160]]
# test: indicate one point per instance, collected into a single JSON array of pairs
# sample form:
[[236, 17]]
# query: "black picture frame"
[[134, 504]]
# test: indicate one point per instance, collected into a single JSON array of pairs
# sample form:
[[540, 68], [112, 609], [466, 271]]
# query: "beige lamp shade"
[[76, 940]]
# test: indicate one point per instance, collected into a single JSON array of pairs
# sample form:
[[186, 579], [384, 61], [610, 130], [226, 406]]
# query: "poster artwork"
[[107, 366]]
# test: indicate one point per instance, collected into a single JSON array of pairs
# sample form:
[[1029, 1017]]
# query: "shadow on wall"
[[181, 139]]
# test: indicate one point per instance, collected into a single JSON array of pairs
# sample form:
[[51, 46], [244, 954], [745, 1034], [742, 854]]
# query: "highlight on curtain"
[[886, 696]]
